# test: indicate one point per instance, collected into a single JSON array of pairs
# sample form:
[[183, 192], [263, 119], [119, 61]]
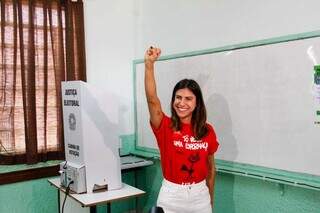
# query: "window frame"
[[29, 174], [34, 171]]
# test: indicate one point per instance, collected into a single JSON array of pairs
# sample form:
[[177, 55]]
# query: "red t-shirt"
[[183, 158]]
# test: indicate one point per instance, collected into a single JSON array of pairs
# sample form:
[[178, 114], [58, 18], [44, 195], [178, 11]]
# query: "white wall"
[[109, 35], [187, 25], [118, 31]]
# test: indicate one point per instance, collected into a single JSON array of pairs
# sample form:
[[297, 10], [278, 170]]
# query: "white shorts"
[[176, 198]]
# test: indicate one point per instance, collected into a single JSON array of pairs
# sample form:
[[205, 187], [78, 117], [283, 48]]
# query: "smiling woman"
[[186, 142], [184, 104], [187, 106], [39, 49]]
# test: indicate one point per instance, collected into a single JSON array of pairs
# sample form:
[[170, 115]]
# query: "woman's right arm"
[[154, 105]]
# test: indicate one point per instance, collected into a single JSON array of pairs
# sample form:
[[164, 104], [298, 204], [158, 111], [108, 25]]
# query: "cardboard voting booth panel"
[[90, 119]]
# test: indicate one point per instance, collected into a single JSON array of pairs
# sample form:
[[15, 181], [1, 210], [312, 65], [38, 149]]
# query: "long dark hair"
[[199, 114]]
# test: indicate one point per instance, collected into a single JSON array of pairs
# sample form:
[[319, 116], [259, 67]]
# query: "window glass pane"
[[11, 89]]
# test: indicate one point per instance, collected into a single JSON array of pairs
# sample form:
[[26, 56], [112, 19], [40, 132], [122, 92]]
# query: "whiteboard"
[[260, 100]]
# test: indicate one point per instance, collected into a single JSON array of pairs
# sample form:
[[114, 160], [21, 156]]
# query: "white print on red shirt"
[[190, 143], [177, 143]]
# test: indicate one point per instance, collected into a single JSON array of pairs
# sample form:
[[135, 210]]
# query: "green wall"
[[242, 194], [37, 196], [239, 194], [233, 194], [34, 196]]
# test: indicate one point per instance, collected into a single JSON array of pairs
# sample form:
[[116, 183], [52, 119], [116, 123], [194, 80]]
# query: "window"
[[42, 44], [12, 129]]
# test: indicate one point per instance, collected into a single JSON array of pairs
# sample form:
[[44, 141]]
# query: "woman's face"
[[184, 104]]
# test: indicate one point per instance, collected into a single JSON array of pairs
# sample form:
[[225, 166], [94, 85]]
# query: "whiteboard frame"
[[273, 175]]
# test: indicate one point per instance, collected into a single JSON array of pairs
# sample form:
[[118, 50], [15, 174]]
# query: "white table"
[[90, 200]]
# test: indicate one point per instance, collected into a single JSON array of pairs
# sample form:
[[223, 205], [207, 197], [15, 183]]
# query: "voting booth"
[[90, 120]]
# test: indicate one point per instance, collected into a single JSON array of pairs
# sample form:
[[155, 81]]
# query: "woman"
[[186, 142]]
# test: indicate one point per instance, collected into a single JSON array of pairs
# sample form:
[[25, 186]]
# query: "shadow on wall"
[[219, 116], [102, 117]]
